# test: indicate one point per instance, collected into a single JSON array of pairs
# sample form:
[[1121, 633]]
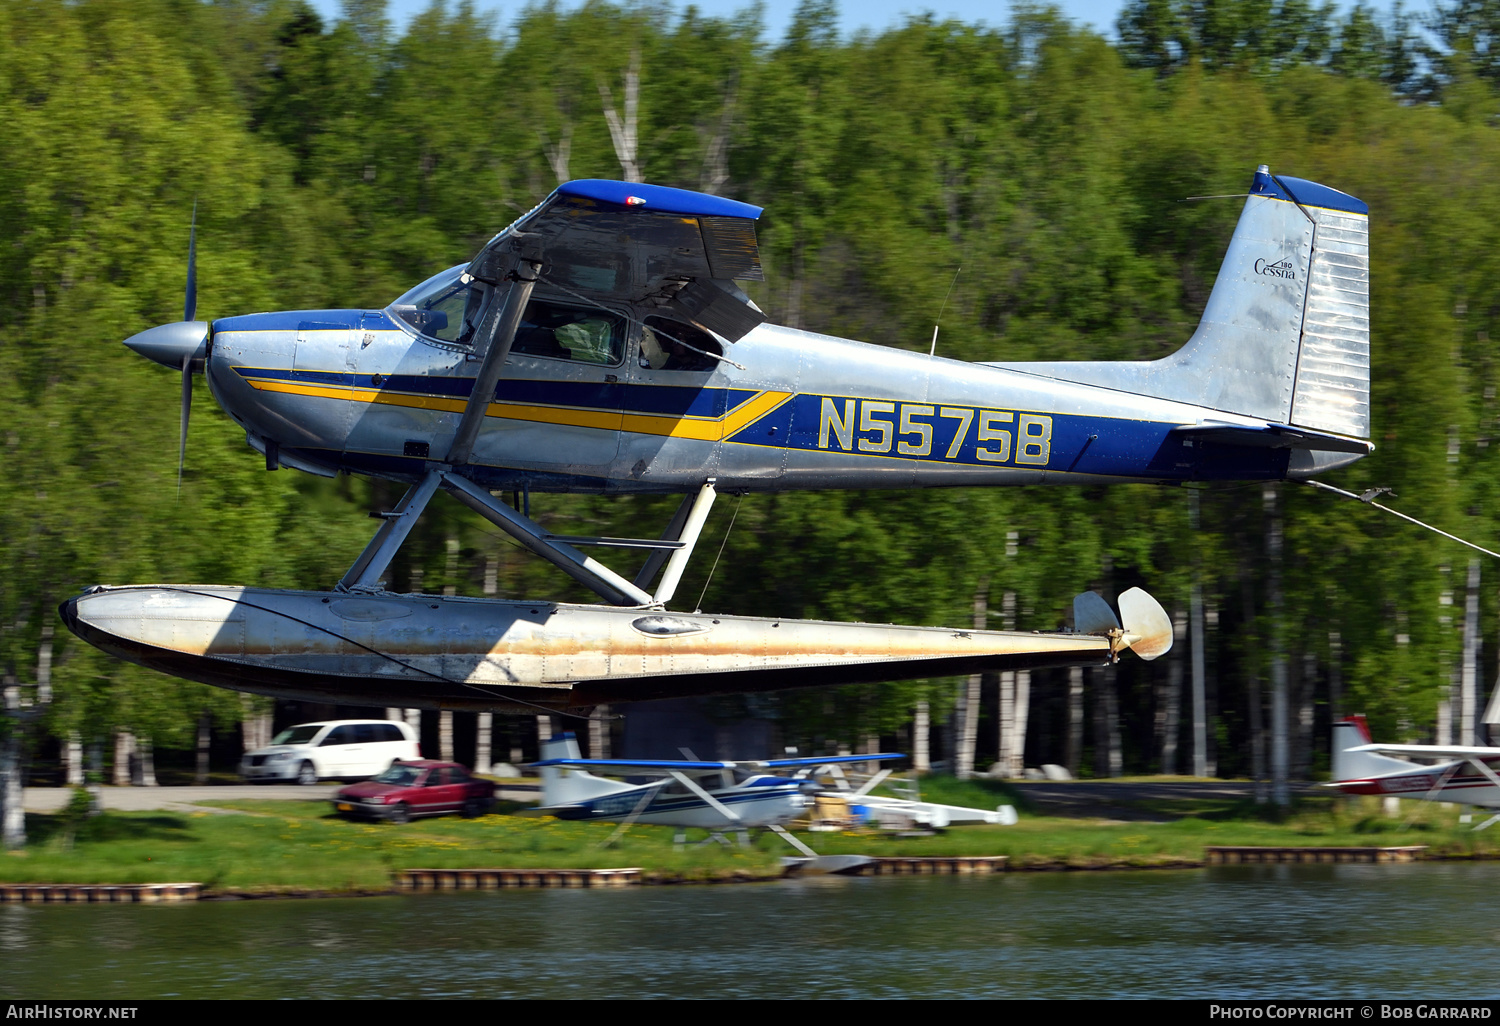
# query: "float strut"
[[372, 563], [691, 529], [614, 589]]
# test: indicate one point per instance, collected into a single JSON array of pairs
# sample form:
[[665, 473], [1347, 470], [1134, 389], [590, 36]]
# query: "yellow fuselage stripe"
[[698, 428]]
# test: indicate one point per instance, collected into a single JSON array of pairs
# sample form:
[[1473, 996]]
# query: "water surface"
[[1392, 931]]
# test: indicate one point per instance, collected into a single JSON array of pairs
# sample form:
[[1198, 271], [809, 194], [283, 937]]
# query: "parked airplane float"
[[601, 344]]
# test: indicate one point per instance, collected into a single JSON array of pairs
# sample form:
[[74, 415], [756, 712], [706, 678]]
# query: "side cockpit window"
[[569, 333], [676, 345]]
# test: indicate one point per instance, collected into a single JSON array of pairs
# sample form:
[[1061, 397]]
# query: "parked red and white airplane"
[[1465, 774]]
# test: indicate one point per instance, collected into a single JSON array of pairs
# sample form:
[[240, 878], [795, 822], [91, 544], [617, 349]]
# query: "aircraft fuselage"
[[362, 391]]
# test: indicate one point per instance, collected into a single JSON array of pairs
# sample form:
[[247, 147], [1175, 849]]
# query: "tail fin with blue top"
[[1285, 338], [561, 786]]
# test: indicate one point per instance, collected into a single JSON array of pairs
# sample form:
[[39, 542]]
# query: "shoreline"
[[653, 878]]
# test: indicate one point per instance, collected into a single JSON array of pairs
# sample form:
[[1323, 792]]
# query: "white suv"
[[336, 748]]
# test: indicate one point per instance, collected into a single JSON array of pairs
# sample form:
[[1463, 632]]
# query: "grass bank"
[[297, 846], [276, 846]]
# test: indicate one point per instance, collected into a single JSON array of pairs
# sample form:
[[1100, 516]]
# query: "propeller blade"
[[187, 409], [190, 302]]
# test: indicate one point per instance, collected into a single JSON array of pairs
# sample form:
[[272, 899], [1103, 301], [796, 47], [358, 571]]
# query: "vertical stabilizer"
[[1285, 336], [1351, 765], [563, 786]]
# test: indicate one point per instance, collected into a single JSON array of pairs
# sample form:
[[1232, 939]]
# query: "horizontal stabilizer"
[[1273, 436], [569, 787]]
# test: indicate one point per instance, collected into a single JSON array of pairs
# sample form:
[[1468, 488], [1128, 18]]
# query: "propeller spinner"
[[182, 345]]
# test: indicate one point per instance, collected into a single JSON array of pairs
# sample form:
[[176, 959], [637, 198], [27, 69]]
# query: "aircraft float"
[[602, 343]]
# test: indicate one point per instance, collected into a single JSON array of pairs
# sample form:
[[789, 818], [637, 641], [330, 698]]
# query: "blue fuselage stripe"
[[664, 400]]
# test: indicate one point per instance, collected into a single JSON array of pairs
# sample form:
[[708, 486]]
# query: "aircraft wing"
[[630, 242], [640, 765], [699, 766], [826, 760]]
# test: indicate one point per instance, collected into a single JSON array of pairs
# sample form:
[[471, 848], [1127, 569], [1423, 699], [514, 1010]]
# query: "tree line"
[[1026, 181]]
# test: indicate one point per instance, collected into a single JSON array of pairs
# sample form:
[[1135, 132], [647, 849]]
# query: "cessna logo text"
[[1280, 269]]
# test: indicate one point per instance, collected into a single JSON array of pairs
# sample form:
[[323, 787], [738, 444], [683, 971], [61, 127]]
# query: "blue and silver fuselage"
[[762, 800], [364, 392]]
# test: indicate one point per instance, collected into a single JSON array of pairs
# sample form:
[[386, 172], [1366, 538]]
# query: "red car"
[[417, 788]]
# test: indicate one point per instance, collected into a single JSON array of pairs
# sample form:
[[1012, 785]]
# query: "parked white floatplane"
[[860, 800], [1462, 774], [721, 796]]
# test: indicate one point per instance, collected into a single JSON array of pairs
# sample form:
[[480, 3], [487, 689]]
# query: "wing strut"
[[496, 334], [713, 803]]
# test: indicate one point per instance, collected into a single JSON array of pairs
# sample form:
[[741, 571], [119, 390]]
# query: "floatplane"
[[722, 796], [603, 343]]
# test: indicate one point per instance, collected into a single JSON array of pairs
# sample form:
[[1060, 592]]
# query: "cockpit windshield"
[[445, 307]]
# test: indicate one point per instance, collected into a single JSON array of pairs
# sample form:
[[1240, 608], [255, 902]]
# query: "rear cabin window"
[[676, 345]]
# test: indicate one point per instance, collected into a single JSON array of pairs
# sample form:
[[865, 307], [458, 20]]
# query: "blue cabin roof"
[[659, 198]]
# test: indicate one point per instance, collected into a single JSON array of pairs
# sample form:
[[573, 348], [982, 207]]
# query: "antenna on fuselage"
[[933, 350]]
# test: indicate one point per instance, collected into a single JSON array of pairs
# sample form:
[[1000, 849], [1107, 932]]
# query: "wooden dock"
[[882, 866], [1229, 856], [494, 879], [100, 893]]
